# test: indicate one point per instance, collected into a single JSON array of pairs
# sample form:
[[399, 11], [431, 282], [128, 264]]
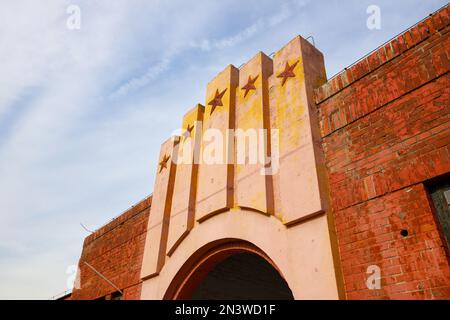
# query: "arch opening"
[[243, 276], [235, 270]]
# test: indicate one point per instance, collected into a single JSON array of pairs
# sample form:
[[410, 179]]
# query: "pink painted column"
[[158, 223], [300, 184]]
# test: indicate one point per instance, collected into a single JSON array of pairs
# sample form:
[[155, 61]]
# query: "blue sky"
[[83, 112]]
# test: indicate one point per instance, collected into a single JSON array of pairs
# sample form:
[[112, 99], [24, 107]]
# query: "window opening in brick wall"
[[440, 196]]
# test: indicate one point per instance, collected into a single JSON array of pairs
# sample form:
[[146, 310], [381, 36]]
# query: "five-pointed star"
[[188, 131], [287, 73], [163, 163], [217, 100], [250, 85]]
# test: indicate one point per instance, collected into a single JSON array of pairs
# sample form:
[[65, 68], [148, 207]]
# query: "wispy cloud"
[[207, 45], [287, 8], [141, 81]]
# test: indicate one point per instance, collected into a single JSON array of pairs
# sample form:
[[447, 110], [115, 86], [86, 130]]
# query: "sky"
[[83, 112]]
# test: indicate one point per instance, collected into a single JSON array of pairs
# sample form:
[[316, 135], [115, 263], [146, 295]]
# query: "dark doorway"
[[243, 276]]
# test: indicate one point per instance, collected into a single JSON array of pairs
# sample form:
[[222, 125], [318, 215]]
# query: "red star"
[[163, 163], [188, 131], [250, 85], [217, 100], [287, 73]]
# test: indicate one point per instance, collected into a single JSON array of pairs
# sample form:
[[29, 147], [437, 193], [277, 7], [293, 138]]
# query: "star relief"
[[250, 85], [217, 100], [287, 73], [163, 163]]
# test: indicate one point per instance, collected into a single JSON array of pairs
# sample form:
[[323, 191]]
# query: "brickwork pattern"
[[386, 130], [115, 251]]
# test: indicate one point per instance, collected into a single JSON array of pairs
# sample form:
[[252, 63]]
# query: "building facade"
[[286, 185]]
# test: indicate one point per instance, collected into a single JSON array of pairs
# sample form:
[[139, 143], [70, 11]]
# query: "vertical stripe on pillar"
[[182, 215], [158, 223]]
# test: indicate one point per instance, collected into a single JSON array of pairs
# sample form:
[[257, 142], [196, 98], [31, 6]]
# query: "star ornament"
[[163, 163], [217, 100], [250, 85], [287, 73]]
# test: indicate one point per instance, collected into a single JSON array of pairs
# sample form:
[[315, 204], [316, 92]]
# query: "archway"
[[243, 276], [229, 270]]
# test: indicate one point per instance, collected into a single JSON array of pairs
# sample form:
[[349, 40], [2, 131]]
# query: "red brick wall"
[[386, 130], [116, 251]]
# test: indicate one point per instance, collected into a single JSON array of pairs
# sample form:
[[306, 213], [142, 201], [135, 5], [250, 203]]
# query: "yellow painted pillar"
[[216, 170], [254, 188], [159, 219]]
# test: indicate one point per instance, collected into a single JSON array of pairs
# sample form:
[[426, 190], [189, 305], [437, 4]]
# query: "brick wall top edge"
[[385, 53], [126, 215]]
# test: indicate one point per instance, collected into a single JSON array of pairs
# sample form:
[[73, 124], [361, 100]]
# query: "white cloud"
[[261, 25], [243, 35], [152, 73]]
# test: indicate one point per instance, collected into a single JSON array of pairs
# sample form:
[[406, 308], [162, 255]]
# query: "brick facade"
[[386, 131], [115, 251]]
